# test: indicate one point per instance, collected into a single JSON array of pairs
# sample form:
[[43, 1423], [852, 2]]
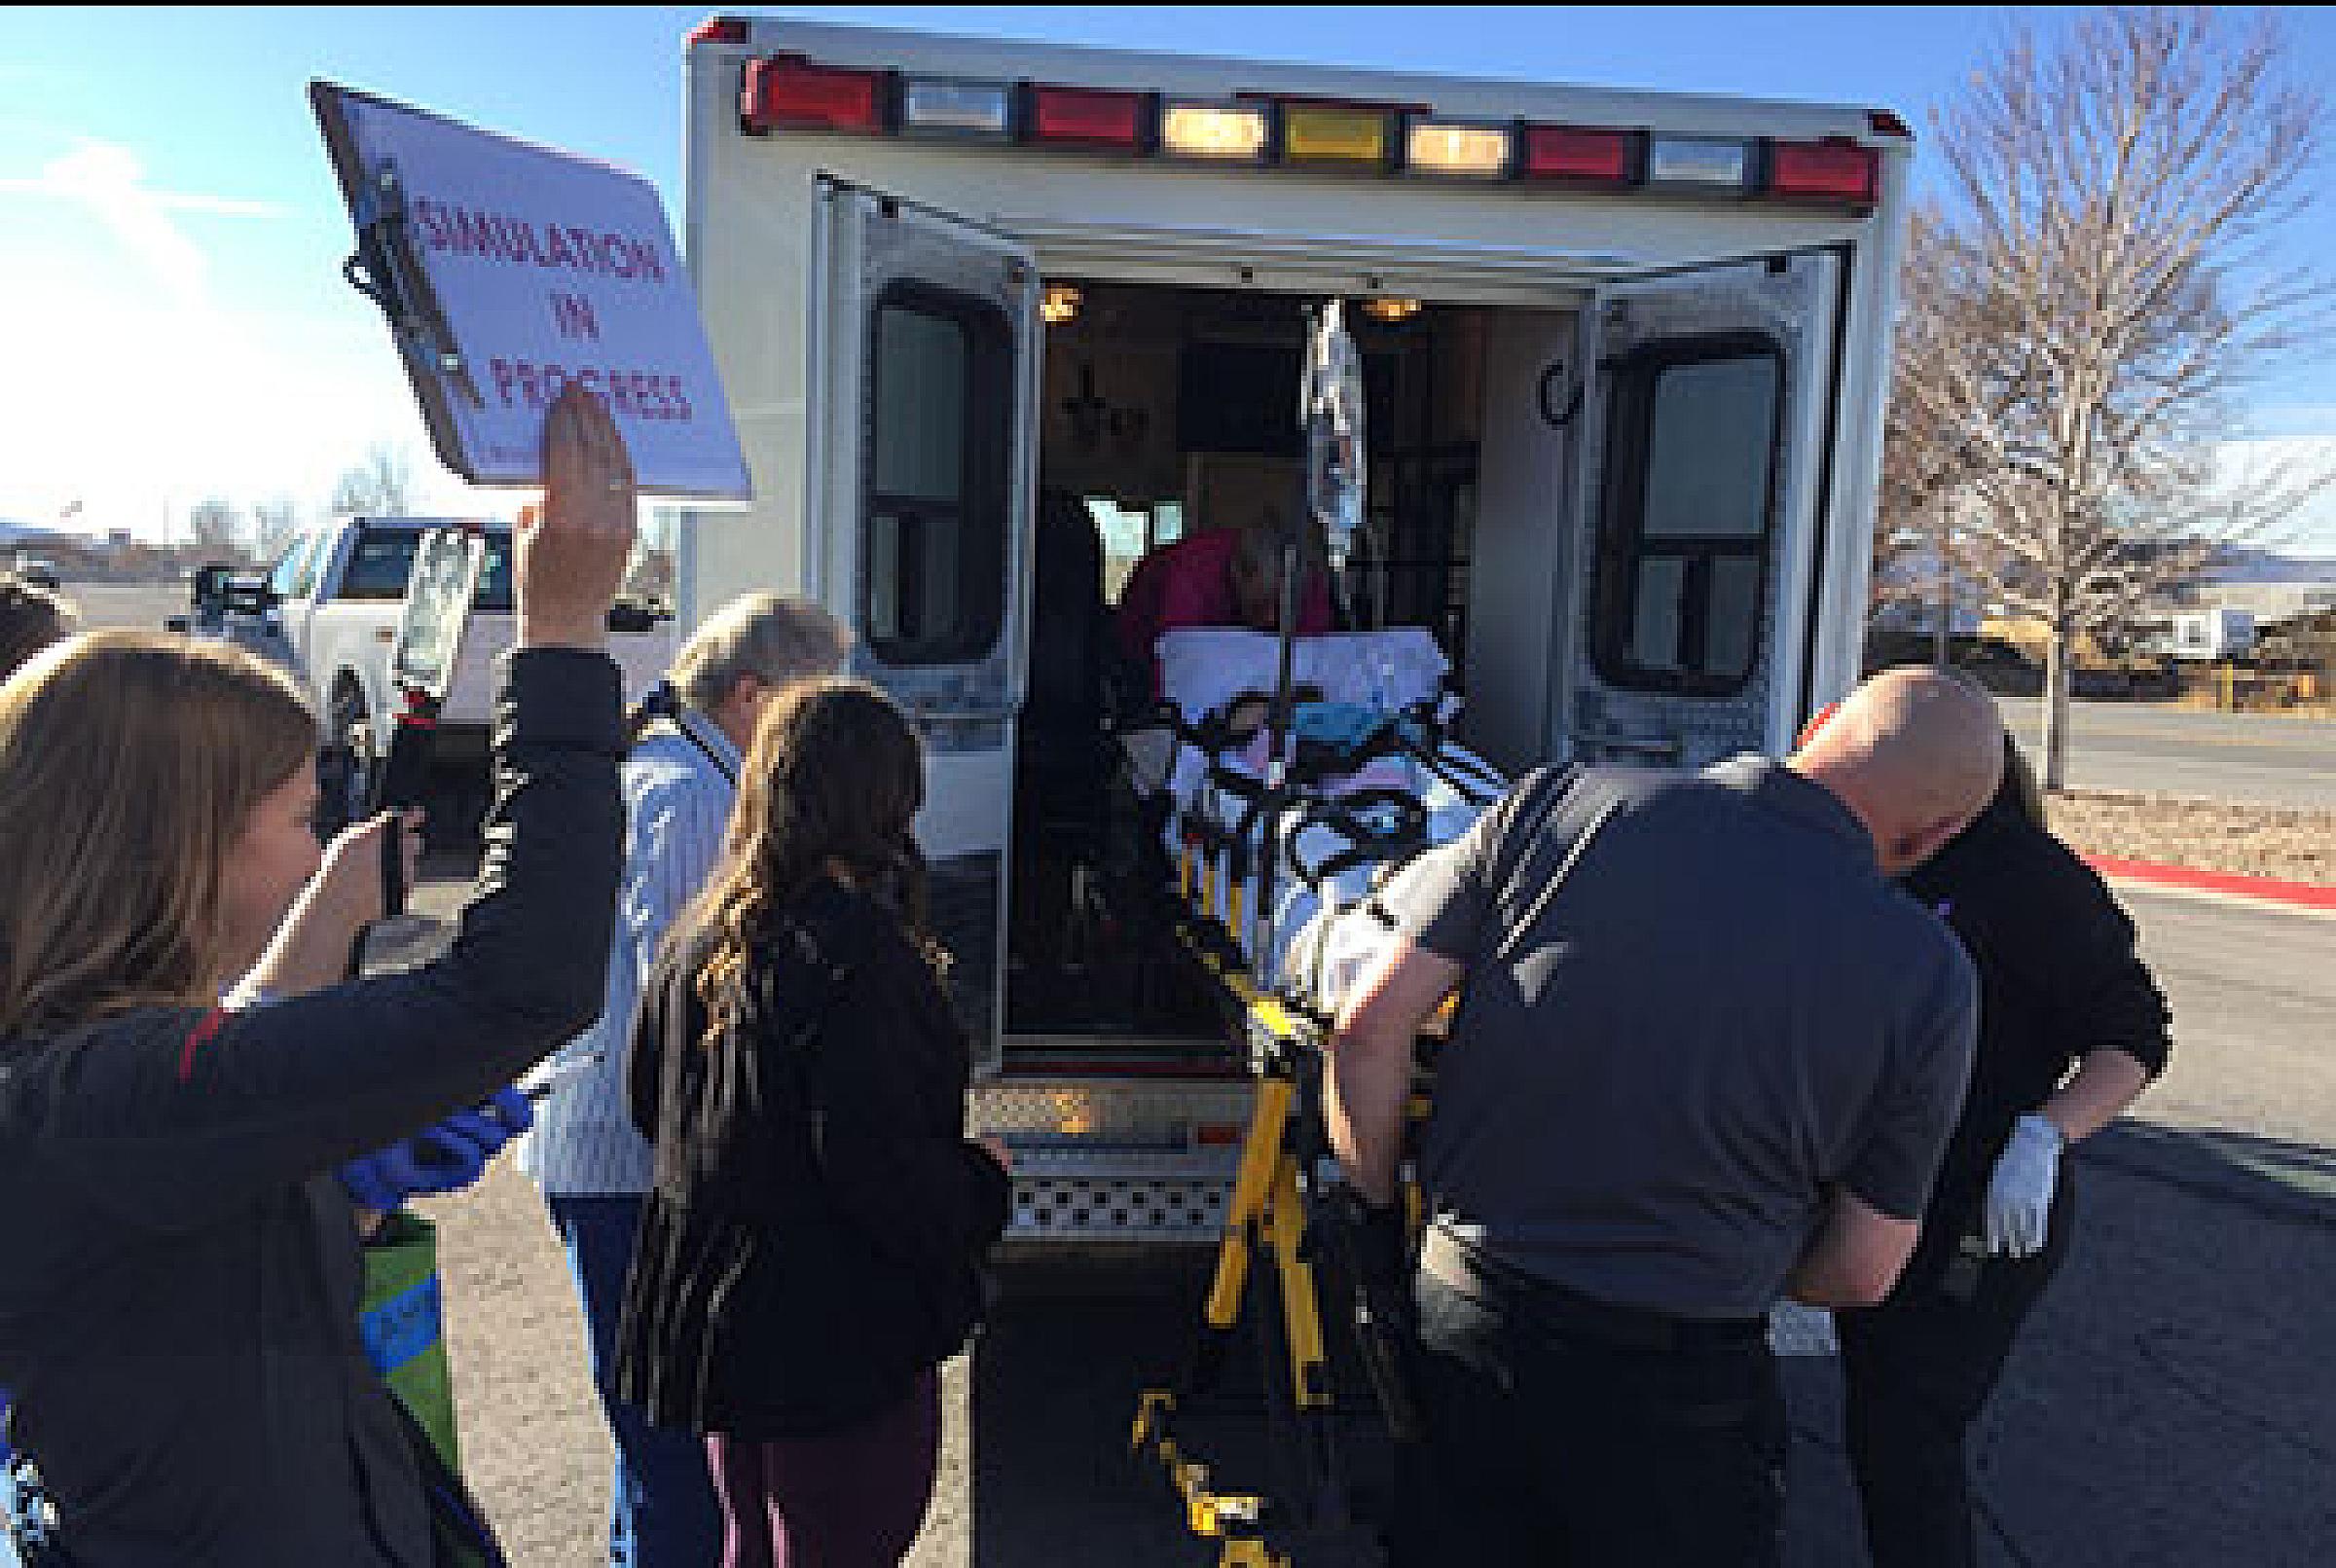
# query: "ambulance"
[[997, 319]]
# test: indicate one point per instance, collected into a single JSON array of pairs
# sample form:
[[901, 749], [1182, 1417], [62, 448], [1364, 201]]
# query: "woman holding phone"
[[178, 1318]]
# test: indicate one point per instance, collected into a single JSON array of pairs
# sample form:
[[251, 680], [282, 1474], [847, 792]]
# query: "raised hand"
[[571, 552]]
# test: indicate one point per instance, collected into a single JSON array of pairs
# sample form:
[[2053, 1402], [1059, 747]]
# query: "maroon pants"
[[852, 1499]]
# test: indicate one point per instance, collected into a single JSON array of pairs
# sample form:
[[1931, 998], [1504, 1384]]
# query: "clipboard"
[[506, 269]]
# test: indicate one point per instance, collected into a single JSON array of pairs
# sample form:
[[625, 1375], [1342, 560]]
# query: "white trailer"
[[1626, 354]]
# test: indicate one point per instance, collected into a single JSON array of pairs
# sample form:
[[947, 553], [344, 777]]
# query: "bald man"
[[1707, 1055]]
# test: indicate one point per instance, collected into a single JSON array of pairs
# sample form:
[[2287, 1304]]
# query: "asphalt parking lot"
[[2172, 1402]]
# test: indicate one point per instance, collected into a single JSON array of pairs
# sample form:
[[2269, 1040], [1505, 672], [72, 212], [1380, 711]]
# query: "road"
[[2266, 759], [137, 605]]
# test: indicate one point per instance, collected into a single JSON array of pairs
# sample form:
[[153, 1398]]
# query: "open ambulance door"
[[1707, 424], [921, 474]]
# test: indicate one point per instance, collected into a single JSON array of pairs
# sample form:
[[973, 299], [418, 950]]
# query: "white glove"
[[2020, 1194]]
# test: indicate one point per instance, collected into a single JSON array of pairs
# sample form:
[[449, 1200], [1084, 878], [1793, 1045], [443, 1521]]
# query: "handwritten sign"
[[508, 270]]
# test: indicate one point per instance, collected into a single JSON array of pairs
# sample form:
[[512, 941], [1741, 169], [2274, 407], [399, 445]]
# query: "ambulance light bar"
[[789, 93], [1700, 162], [1581, 155], [1469, 149], [1333, 133], [958, 107], [1086, 117], [1220, 132], [1837, 171]]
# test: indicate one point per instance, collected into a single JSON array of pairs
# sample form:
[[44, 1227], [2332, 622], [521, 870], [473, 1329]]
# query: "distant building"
[[2269, 602]]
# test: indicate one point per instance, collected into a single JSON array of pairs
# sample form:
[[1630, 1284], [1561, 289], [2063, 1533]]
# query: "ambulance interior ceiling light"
[[1391, 308], [1221, 132]]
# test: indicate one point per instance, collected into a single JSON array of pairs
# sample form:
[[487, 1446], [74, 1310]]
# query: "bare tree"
[[273, 525], [381, 486], [1930, 456], [2098, 300], [214, 528]]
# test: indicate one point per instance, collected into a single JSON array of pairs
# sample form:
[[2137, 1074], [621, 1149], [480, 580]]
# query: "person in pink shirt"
[[1218, 578]]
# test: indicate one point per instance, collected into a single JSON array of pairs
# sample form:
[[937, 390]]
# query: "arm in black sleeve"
[[171, 1117], [2103, 997], [936, 1196], [893, 1146], [644, 1079]]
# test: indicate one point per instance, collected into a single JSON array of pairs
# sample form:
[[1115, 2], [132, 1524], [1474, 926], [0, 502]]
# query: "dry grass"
[[2205, 835]]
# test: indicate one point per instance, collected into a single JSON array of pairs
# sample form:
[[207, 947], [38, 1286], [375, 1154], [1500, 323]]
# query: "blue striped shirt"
[[677, 810]]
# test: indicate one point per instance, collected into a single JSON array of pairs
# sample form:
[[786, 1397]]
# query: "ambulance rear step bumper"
[[1103, 1161]]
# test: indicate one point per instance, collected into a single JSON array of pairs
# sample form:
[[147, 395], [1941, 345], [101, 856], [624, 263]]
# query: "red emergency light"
[[1580, 153], [788, 91], [1827, 172], [1089, 117], [718, 29]]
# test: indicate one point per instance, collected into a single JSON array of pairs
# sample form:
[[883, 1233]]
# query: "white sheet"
[[1203, 668]]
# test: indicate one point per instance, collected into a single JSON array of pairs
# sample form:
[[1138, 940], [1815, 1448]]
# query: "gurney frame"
[[1276, 1221]]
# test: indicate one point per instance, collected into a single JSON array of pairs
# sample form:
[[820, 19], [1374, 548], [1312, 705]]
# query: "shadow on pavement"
[[2172, 1402], [1055, 1385]]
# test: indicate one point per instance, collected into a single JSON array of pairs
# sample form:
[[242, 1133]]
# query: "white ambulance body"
[[1627, 356]]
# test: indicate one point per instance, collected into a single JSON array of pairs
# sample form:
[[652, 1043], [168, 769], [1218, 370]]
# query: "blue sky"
[[172, 314]]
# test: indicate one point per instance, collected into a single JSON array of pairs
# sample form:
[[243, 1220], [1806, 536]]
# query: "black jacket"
[[178, 1304], [2059, 979], [813, 1240]]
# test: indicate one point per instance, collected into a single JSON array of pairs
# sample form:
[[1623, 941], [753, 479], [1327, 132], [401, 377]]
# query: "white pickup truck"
[[330, 610]]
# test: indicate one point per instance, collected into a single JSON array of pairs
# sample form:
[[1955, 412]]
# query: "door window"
[[295, 570], [381, 560], [1687, 513], [940, 440]]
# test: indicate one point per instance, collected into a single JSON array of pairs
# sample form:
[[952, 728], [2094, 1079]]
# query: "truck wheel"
[[344, 767]]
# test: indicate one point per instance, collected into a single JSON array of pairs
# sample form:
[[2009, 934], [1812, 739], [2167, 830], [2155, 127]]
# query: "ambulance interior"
[[1169, 410]]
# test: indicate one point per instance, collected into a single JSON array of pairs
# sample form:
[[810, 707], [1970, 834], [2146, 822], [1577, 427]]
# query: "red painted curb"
[[2269, 890]]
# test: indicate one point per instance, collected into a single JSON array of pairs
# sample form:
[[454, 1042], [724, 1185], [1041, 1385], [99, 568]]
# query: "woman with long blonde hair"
[[178, 1313], [811, 1250]]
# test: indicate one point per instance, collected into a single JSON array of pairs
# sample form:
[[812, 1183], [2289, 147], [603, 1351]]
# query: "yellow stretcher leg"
[[1301, 1312], [1252, 1186]]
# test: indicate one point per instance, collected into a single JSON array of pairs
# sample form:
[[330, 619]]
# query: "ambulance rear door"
[[922, 459], [1707, 422]]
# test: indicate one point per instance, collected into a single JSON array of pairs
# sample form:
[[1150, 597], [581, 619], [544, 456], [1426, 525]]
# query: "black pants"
[[1550, 1445], [1916, 1373]]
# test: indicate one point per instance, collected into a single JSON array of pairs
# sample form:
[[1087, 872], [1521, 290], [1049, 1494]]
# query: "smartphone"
[[540, 1085]]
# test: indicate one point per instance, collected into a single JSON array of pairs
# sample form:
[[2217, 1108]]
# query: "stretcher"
[[1368, 780]]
